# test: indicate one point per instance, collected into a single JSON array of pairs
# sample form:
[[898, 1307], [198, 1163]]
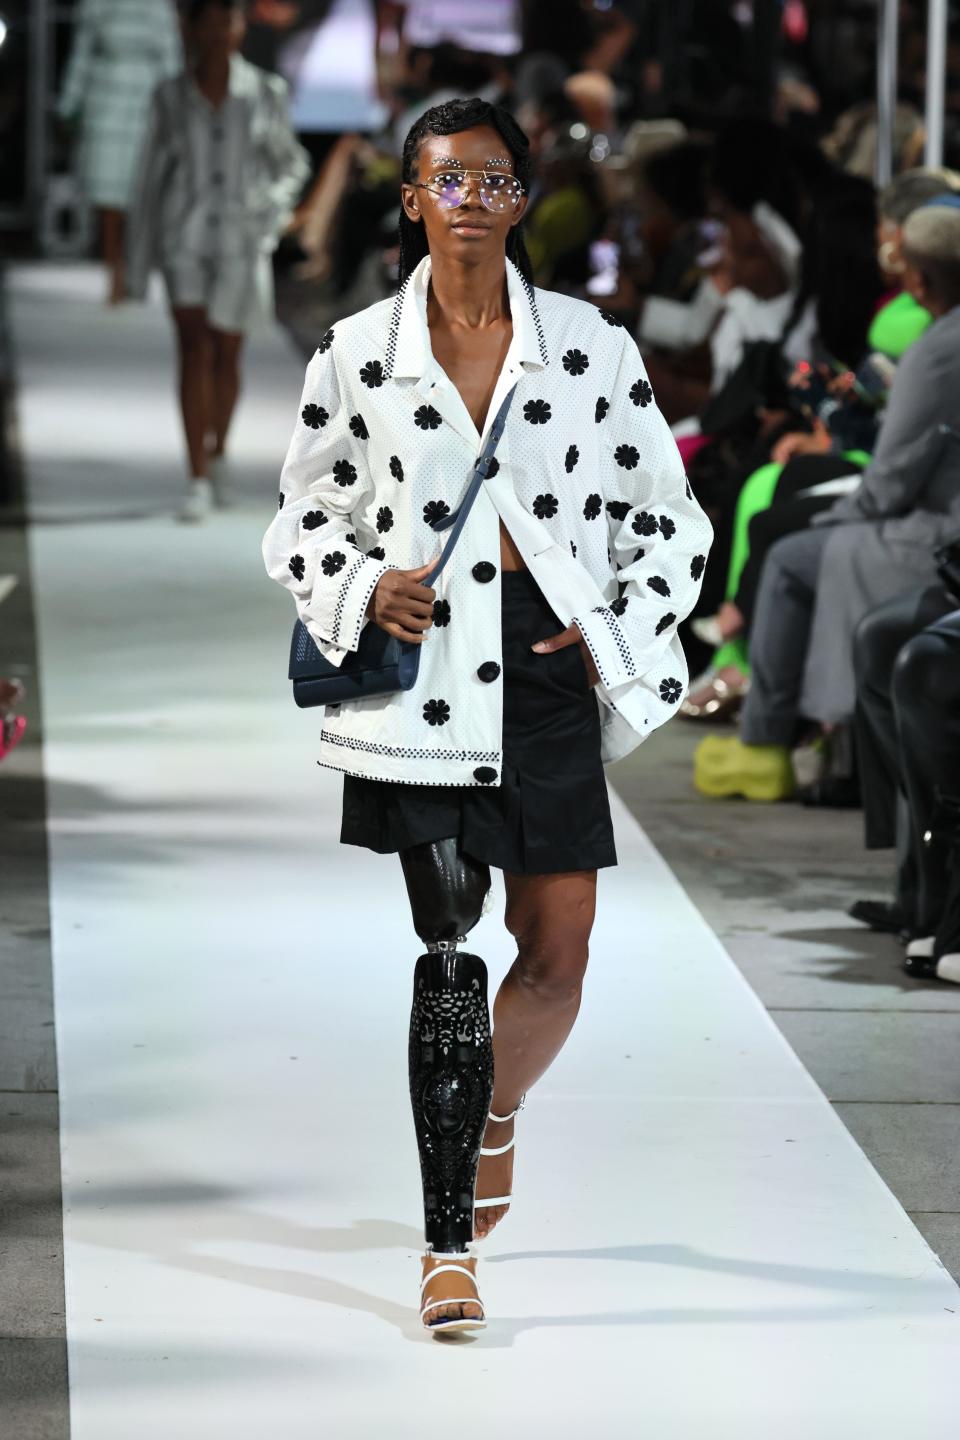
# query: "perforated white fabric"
[[590, 485]]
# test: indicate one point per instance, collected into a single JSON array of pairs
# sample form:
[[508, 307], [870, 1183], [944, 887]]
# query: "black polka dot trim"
[[406, 752], [609, 616]]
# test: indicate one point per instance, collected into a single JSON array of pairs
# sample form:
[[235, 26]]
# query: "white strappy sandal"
[[446, 1322], [499, 1150]]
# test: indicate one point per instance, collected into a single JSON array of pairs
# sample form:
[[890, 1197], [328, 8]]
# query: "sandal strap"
[[512, 1112], [492, 1200], [500, 1149], [439, 1270]]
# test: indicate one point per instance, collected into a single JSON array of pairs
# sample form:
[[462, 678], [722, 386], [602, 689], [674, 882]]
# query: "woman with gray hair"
[[870, 546]]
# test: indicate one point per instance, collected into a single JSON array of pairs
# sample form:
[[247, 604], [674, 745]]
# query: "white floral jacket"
[[589, 483]]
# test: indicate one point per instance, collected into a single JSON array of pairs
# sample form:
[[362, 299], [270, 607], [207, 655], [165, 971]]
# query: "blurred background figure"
[[219, 176], [121, 48]]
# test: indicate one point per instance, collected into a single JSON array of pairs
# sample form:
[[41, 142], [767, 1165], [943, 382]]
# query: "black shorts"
[[550, 813]]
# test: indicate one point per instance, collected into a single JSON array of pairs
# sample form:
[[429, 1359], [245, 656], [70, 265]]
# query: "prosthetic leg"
[[450, 1049]]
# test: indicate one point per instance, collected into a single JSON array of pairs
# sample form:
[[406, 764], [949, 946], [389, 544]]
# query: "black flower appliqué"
[[313, 520], [602, 406], [297, 566], [372, 374], [628, 456], [377, 553], [545, 507], [436, 712], [575, 362], [670, 691], [641, 393], [344, 473], [639, 556], [396, 469], [384, 519], [644, 523], [592, 507], [441, 612], [332, 563], [657, 583], [435, 510], [351, 539], [427, 418], [571, 458], [314, 416], [537, 412], [281, 500], [619, 509], [618, 606], [665, 623], [358, 427], [610, 318], [667, 527], [326, 340], [696, 566]]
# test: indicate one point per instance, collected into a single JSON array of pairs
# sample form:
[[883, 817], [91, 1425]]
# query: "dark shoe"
[[879, 915]]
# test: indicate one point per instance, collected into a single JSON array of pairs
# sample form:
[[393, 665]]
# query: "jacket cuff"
[[360, 578], [608, 645]]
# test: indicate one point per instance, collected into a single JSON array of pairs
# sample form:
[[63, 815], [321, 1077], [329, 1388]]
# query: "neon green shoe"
[[724, 766]]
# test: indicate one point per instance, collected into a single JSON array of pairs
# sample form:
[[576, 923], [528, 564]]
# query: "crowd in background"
[[707, 180]]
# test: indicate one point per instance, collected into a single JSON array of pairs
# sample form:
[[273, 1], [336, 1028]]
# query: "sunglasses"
[[496, 191]]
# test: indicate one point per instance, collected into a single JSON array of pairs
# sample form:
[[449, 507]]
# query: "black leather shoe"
[[880, 915]]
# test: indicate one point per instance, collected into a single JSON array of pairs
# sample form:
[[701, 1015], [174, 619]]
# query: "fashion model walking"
[[120, 49], [219, 175], [548, 647]]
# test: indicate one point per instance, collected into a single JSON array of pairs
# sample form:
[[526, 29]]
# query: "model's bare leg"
[[551, 917], [112, 232], [195, 343], [226, 385]]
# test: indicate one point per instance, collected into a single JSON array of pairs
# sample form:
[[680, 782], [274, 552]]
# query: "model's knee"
[[552, 960], [446, 891]]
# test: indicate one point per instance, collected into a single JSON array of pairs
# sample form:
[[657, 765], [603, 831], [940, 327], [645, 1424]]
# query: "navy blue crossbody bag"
[[381, 663]]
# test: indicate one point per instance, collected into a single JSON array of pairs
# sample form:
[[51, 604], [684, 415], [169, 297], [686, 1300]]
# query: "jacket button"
[[485, 775], [483, 571], [488, 671]]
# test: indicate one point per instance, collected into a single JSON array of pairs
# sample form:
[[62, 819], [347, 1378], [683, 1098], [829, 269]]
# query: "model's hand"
[[570, 636], [402, 605]]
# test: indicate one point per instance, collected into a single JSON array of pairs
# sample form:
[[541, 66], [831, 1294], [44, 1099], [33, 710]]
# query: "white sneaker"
[[220, 478], [199, 501]]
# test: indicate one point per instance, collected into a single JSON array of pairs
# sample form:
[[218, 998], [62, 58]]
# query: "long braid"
[[449, 119]]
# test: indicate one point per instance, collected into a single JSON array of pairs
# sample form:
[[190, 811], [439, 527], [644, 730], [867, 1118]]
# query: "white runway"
[[697, 1249]]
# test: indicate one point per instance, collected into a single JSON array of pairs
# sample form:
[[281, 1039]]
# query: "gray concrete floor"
[[33, 1354], [774, 882]]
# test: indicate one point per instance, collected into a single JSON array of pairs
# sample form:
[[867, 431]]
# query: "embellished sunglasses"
[[496, 191]]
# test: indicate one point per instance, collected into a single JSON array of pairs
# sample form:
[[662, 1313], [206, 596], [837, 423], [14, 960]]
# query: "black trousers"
[[907, 663]]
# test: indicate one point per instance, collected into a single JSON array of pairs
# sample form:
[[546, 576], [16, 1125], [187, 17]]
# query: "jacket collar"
[[408, 341]]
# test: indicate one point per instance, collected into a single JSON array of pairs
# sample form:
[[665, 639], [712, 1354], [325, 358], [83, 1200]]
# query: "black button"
[[485, 775], [483, 571], [488, 671]]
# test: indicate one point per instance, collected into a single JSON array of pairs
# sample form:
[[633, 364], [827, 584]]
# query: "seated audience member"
[[868, 547], [907, 666]]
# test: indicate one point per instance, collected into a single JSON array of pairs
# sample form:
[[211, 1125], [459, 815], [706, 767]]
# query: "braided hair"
[[449, 119]]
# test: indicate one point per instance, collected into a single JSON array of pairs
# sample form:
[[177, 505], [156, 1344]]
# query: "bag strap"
[[481, 470]]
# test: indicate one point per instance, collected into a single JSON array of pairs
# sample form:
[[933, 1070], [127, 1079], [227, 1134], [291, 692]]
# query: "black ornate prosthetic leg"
[[450, 1050]]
